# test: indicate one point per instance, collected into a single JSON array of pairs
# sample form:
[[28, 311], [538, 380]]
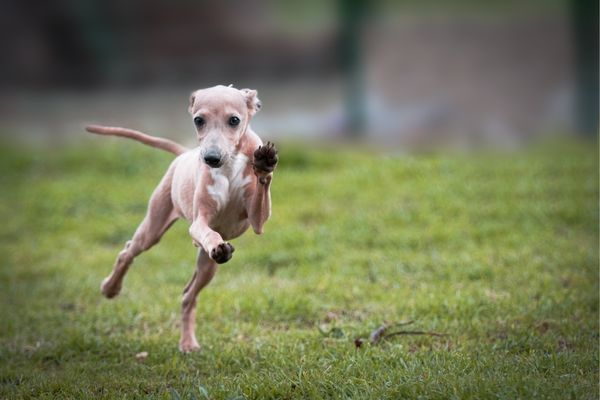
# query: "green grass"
[[499, 251]]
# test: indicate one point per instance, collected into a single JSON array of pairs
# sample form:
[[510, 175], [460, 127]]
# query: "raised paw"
[[265, 158], [222, 253]]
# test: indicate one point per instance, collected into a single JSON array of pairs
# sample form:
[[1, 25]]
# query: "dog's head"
[[221, 115]]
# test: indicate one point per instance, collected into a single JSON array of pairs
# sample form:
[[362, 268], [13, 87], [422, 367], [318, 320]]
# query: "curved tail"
[[158, 142]]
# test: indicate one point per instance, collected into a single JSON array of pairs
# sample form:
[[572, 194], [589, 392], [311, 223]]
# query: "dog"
[[221, 187]]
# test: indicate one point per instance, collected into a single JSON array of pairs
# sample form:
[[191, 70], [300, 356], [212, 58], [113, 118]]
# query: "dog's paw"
[[222, 253], [265, 159], [109, 289], [188, 345]]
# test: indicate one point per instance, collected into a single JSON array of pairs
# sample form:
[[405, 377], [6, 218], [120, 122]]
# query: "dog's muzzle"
[[213, 159]]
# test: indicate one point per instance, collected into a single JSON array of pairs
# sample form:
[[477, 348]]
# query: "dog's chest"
[[227, 190]]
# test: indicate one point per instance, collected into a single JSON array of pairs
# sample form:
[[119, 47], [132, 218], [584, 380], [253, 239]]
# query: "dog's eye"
[[234, 121], [199, 121]]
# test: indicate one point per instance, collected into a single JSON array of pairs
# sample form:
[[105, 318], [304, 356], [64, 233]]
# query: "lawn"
[[499, 251]]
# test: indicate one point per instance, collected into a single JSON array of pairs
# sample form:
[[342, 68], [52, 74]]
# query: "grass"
[[499, 251]]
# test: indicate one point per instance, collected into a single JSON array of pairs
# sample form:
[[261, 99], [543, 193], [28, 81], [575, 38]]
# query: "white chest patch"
[[229, 182]]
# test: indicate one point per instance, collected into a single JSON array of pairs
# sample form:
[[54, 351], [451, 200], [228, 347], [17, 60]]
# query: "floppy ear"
[[191, 106], [252, 101]]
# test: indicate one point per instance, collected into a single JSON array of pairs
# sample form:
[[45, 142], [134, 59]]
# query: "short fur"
[[220, 203]]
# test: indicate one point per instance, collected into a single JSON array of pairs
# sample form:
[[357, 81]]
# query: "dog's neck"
[[229, 181], [232, 168]]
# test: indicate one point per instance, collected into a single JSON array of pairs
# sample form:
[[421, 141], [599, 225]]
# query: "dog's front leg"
[[259, 201], [205, 209], [210, 241]]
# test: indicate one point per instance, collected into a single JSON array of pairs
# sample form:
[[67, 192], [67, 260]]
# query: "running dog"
[[221, 187]]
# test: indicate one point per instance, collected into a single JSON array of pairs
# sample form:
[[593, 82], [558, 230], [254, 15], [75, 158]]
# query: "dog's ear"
[[191, 106], [252, 101]]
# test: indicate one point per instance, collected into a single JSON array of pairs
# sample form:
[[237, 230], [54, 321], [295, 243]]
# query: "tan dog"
[[221, 187]]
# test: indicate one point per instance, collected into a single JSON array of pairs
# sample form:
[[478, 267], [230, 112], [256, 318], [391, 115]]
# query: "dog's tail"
[[158, 142]]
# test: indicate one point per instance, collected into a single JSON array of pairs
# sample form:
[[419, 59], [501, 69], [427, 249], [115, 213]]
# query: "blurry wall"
[[129, 43], [422, 74]]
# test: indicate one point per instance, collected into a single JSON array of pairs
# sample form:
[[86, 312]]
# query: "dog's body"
[[221, 187]]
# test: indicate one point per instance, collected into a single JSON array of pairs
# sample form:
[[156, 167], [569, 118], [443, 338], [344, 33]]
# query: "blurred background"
[[498, 249], [415, 74]]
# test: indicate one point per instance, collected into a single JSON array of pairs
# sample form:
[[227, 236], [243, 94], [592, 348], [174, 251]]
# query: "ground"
[[498, 251]]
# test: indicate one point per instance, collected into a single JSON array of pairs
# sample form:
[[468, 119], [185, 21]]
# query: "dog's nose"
[[212, 159]]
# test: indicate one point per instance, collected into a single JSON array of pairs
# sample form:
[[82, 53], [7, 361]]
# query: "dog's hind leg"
[[159, 218], [205, 270]]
